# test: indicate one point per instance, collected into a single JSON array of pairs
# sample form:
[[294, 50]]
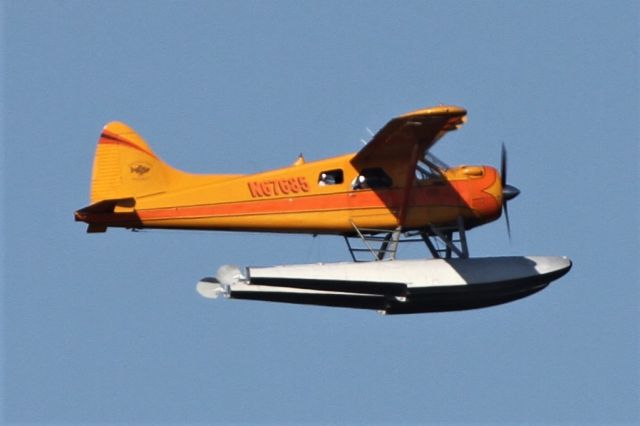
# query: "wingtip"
[[437, 110]]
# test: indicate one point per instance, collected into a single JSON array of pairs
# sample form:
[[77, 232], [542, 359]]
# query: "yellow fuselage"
[[293, 199]]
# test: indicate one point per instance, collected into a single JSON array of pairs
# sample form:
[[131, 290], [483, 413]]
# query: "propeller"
[[509, 192]]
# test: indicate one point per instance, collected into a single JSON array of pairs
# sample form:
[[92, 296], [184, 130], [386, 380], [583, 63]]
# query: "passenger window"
[[330, 177], [372, 178]]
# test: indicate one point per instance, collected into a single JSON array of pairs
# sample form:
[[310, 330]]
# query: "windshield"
[[430, 168], [435, 161]]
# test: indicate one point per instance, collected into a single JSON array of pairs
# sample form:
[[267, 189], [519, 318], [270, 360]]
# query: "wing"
[[404, 140], [414, 132]]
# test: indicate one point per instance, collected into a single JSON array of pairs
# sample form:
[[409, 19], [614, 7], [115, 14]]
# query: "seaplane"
[[392, 192]]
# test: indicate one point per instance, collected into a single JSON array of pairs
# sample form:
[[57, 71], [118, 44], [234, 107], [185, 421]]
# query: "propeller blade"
[[506, 216], [503, 165], [509, 192]]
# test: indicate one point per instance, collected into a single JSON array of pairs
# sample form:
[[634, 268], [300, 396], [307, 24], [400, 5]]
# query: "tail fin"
[[124, 166]]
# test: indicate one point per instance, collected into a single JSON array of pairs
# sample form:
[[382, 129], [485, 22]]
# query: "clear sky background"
[[108, 328]]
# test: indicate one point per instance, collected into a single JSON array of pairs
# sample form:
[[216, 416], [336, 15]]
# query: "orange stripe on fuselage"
[[266, 206], [366, 199]]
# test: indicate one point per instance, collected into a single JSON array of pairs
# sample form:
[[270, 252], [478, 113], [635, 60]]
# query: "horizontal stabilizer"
[[108, 206], [102, 207]]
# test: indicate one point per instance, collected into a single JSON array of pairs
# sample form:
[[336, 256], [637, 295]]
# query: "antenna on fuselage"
[[299, 161]]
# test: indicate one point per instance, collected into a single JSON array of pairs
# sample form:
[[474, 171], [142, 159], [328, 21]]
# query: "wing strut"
[[382, 244], [408, 184], [388, 241]]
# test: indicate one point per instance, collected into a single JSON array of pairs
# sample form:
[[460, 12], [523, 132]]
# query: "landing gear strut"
[[442, 242]]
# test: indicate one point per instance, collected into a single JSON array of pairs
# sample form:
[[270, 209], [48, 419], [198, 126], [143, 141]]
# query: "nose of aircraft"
[[509, 192]]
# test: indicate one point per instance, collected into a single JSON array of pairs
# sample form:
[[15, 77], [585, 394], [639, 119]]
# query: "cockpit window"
[[435, 161], [331, 177], [373, 178], [430, 168]]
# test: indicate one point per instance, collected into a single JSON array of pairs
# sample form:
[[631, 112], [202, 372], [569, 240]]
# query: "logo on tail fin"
[[139, 169]]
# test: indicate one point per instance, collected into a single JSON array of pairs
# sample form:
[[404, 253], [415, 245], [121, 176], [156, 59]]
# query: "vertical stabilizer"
[[124, 166]]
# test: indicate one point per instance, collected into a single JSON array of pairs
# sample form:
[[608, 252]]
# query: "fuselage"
[[330, 196]]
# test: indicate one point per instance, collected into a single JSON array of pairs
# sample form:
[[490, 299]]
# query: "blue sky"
[[108, 328]]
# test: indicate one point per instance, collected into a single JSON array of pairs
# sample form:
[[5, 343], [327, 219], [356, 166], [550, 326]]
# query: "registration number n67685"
[[275, 187]]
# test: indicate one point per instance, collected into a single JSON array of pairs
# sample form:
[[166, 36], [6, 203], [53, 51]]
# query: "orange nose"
[[491, 191]]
